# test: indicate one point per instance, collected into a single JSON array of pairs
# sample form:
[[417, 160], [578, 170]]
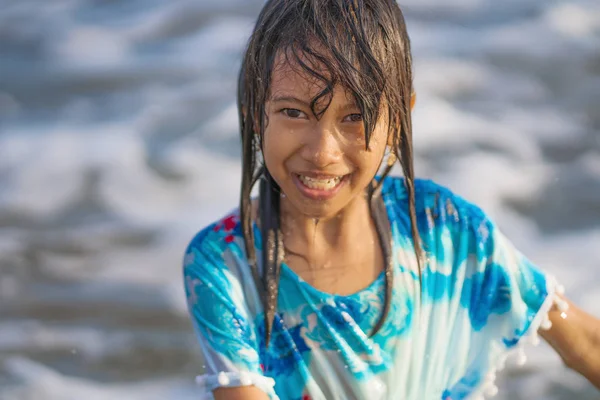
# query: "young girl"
[[339, 282]]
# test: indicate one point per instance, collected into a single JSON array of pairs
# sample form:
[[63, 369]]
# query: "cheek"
[[379, 142], [275, 149], [270, 152], [370, 159]]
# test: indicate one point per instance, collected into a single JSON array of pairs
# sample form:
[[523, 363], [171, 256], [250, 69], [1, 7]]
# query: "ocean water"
[[118, 141]]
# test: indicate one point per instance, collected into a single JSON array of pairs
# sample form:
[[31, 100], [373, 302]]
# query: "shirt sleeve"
[[222, 321], [508, 299]]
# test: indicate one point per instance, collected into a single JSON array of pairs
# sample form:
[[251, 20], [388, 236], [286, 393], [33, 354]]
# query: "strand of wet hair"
[[256, 95], [249, 178], [384, 232], [273, 250], [406, 161]]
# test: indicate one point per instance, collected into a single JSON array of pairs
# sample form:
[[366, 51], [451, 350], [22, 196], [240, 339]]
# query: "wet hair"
[[361, 45]]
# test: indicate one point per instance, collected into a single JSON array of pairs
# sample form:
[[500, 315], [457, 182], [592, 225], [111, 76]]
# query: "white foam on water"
[[225, 35], [498, 84], [93, 47], [37, 382], [580, 21]]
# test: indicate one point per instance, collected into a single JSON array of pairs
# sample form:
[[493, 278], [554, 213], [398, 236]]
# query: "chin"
[[323, 209], [319, 212]]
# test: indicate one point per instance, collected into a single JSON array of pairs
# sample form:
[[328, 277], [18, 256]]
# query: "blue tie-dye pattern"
[[464, 267], [286, 348], [442, 211], [214, 312], [533, 284], [437, 286], [464, 388], [292, 296], [512, 341], [331, 329], [405, 270], [197, 241], [486, 293], [509, 343], [356, 310], [286, 357], [399, 324], [482, 294]]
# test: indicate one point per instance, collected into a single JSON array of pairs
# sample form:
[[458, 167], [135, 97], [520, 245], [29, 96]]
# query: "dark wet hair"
[[363, 46]]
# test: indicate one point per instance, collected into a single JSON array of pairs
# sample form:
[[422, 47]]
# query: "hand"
[[575, 335]]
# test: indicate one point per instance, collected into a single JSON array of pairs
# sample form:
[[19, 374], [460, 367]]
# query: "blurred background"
[[118, 142]]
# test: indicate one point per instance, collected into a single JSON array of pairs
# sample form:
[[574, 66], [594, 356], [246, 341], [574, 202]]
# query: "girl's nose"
[[322, 148]]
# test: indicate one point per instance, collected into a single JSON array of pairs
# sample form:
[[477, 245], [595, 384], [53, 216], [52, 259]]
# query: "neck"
[[316, 239]]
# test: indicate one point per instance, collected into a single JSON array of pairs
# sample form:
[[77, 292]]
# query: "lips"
[[319, 186], [320, 183]]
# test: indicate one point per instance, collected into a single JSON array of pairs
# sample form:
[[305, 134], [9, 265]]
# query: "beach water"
[[119, 141]]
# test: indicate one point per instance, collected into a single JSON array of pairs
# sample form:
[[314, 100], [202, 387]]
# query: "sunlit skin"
[[295, 141], [575, 335]]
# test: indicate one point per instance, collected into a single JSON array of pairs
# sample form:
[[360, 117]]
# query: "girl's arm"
[[220, 314], [575, 335], [240, 393]]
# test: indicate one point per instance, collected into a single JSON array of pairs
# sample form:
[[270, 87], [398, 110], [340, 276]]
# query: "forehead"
[[290, 76]]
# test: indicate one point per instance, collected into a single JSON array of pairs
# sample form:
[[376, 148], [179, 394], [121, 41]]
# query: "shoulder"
[[215, 264], [449, 226], [218, 233], [216, 248], [435, 199]]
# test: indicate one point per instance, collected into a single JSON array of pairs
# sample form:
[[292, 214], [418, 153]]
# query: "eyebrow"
[[292, 99], [345, 107]]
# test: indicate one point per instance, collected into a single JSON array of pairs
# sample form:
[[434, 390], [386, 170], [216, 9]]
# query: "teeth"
[[320, 184]]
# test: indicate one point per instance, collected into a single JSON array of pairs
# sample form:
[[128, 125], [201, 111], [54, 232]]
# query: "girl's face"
[[320, 164]]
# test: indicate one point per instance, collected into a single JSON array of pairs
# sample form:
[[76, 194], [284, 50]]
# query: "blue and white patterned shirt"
[[480, 297]]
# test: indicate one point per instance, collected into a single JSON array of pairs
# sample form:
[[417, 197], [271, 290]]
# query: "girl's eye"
[[353, 118], [293, 113]]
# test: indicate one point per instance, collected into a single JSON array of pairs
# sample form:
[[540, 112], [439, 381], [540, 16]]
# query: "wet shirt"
[[443, 339]]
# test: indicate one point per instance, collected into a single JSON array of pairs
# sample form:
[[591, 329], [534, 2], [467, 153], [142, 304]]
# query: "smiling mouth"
[[319, 183], [320, 188]]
